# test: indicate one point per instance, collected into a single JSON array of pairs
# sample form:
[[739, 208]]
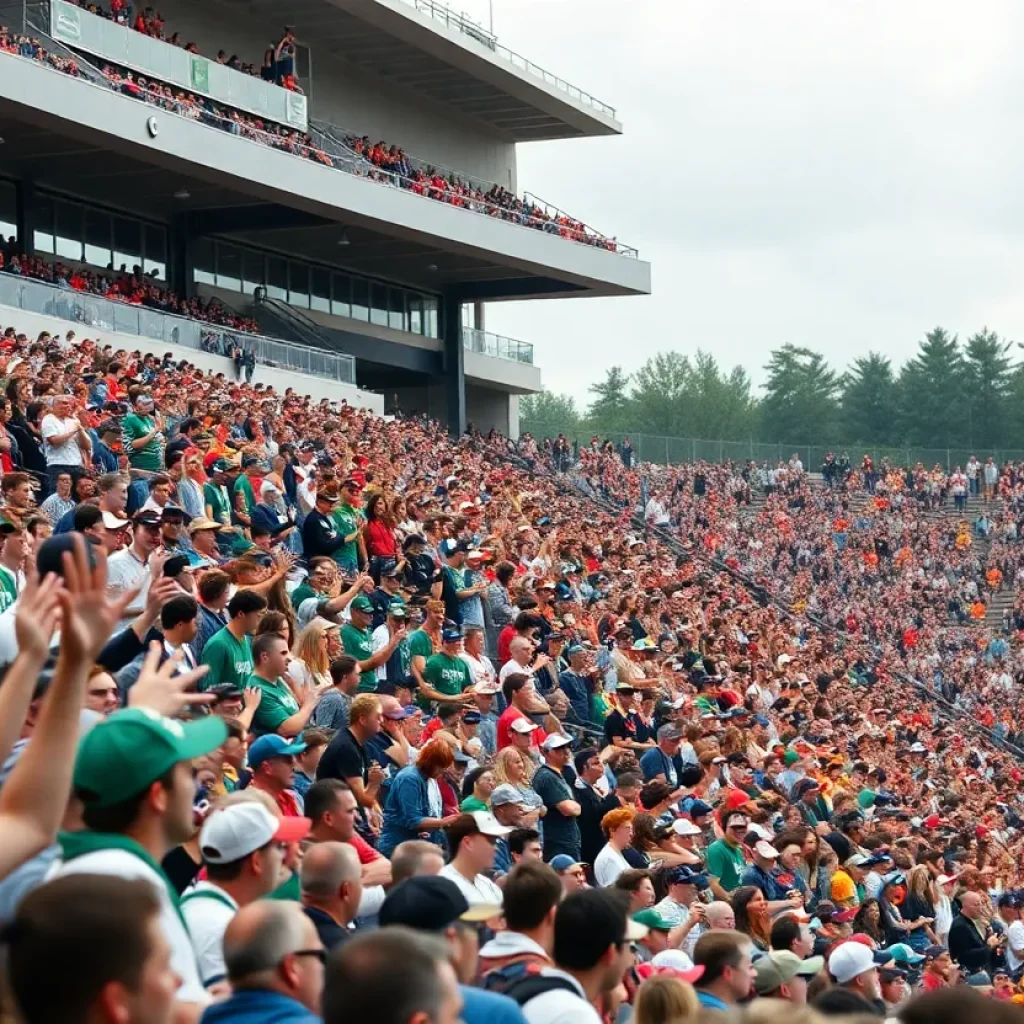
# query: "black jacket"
[[593, 807], [966, 945]]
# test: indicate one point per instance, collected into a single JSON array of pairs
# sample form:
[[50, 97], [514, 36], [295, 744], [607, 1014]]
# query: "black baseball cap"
[[50, 556], [429, 903]]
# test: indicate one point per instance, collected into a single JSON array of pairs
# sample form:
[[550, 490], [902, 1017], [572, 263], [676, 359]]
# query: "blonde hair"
[[662, 999], [501, 765], [310, 651], [363, 704]]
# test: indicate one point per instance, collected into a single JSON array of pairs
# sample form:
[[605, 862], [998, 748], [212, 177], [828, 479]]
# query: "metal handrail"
[[497, 345], [36, 296], [327, 132], [463, 24]]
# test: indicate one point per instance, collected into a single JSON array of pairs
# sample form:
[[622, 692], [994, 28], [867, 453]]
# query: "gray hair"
[[326, 867], [260, 936]]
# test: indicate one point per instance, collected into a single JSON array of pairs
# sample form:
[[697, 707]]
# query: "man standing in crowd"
[[228, 653], [331, 890], [728, 969], [278, 710], [561, 828]]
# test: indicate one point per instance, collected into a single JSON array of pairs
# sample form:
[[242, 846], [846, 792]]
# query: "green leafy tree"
[[989, 380], [868, 402], [548, 414], [931, 393], [800, 402], [610, 409], [659, 399]]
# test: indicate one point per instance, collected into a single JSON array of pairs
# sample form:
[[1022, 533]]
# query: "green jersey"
[[150, 456], [449, 676], [8, 588], [244, 485], [358, 643], [217, 498], [348, 520], [230, 661], [277, 704], [420, 644], [726, 863]]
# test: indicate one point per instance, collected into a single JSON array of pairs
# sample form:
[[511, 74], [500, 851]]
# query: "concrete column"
[[179, 262], [454, 364], [478, 316]]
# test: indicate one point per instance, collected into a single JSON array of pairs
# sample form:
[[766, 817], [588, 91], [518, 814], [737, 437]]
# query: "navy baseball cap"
[[451, 635]]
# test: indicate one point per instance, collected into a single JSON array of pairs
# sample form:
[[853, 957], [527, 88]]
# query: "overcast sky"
[[843, 176]]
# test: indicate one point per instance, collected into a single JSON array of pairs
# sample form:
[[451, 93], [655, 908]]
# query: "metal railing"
[[461, 23], [497, 345], [335, 139], [330, 151], [677, 450], [95, 311]]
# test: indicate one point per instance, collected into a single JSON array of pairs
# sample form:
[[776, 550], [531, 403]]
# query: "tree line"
[[952, 393]]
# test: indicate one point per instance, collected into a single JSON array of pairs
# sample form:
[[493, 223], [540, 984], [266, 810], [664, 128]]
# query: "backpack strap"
[[209, 894], [533, 985]]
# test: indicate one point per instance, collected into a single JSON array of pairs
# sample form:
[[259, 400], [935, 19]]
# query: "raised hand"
[[162, 688], [89, 613], [37, 615], [251, 697]]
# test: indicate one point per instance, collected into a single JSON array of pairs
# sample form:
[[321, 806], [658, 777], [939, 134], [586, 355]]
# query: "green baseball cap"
[[128, 751], [361, 604], [652, 919]]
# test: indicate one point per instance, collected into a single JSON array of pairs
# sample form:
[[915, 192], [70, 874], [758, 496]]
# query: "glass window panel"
[[229, 267], [42, 235], [360, 299], [154, 262], [97, 238], [298, 284], [341, 295], [397, 319], [416, 314], [430, 317], [69, 230], [127, 244], [320, 289], [277, 278], [8, 210], [379, 308], [252, 271], [203, 270]]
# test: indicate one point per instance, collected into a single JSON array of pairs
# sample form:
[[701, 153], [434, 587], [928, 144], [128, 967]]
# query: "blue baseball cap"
[[761, 720], [562, 862], [273, 745], [451, 635], [901, 953]]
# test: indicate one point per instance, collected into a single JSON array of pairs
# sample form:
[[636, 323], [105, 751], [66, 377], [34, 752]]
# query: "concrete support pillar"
[[454, 364]]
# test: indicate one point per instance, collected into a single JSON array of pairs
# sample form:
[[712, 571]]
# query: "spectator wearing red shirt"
[[938, 969], [379, 537], [272, 761], [523, 701], [523, 624]]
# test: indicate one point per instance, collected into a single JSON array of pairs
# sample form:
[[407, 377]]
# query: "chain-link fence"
[[676, 450]]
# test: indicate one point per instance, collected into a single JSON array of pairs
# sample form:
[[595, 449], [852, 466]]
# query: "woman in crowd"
[[919, 905], [315, 648], [663, 999], [190, 486], [617, 826], [513, 768], [751, 910], [869, 921], [414, 807], [379, 536]]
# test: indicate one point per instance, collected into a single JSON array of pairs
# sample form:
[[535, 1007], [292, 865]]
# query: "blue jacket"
[[480, 1007], [406, 806], [259, 1007]]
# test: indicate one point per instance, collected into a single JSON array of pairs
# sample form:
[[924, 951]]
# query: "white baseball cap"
[[485, 687], [112, 522], [233, 832], [850, 960], [524, 725], [765, 849], [489, 824], [555, 741], [685, 827]]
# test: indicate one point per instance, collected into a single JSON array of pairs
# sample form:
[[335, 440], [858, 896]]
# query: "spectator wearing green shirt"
[[278, 711], [725, 861], [349, 521], [421, 641], [446, 677], [142, 436], [229, 651], [216, 497], [357, 640], [243, 486]]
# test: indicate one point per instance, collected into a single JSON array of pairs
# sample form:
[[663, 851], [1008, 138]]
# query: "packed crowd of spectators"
[[33, 49], [384, 163], [134, 287], [278, 64], [498, 743]]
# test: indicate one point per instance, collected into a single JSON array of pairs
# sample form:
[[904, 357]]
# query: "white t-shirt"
[[609, 864], [480, 890], [124, 572], [480, 668], [207, 917], [122, 864], [561, 1006], [66, 454], [379, 639], [1015, 940]]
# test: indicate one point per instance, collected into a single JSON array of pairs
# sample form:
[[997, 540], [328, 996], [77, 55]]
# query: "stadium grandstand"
[[330, 188], [274, 622]]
